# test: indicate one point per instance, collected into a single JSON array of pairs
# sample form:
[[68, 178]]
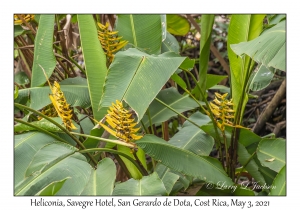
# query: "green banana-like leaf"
[[25, 147], [148, 185], [170, 96], [137, 78], [43, 123], [43, 51], [193, 138], [142, 31], [170, 44], [184, 161], [269, 48], [207, 22], [177, 25], [52, 188], [75, 90], [54, 162], [167, 177], [102, 180], [95, 61], [262, 78], [251, 167], [271, 153], [279, 185], [242, 28]]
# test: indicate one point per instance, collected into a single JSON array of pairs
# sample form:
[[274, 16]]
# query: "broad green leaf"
[[269, 48], [135, 173], [102, 180], [274, 19], [170, 44], [193, 138], [148, 185], [212, 80], [209, 170], [21, 78], [95, 61], [177, 25], [92, 143], [52, 188], [51, 163], [137, 78], [262, 78], [269, 149], [25, 147], [242, 28], [75, 92], [207, 22], [43, 51], [85, 123], [179, 81], [279, 184], [252, 167], [159, 113], [268, 174], [142, 31], [168, 178]]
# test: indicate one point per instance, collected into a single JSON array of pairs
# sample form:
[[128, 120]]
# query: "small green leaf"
[[177, 25]]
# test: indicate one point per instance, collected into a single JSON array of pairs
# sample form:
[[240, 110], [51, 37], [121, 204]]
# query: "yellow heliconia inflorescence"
[[60, 104], [110, 41], [49, 111], [27, 18], [222, 111], [121, 123]]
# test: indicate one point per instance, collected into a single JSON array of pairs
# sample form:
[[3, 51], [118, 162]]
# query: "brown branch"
[[270, 108]]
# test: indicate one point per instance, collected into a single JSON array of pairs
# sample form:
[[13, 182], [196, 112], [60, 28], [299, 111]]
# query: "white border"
[[8, 8]]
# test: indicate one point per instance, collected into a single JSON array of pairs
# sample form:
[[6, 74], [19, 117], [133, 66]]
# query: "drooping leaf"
[[207, 22], [269, 149], [102, 180], [269, 48], [262, 78], [142, 78], [52, 188], [43, 51], [279, 185], [95, 62], [43, 123], [142, 31], [208, 169], [148, 185], [174, 99], [177, 24], [21, 78]]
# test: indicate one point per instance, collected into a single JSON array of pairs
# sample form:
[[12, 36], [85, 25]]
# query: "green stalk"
[[166, 105], [58, 125], [41, 129], [114, 152], [150, 121], [118, 142]]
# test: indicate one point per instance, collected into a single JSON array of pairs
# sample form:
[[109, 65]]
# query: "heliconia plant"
[[113, 124]]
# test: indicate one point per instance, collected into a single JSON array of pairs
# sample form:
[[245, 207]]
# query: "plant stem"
[[41, 129], [58, 125], [114, 152], [166, 105], [150, 121], [130, 145]]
